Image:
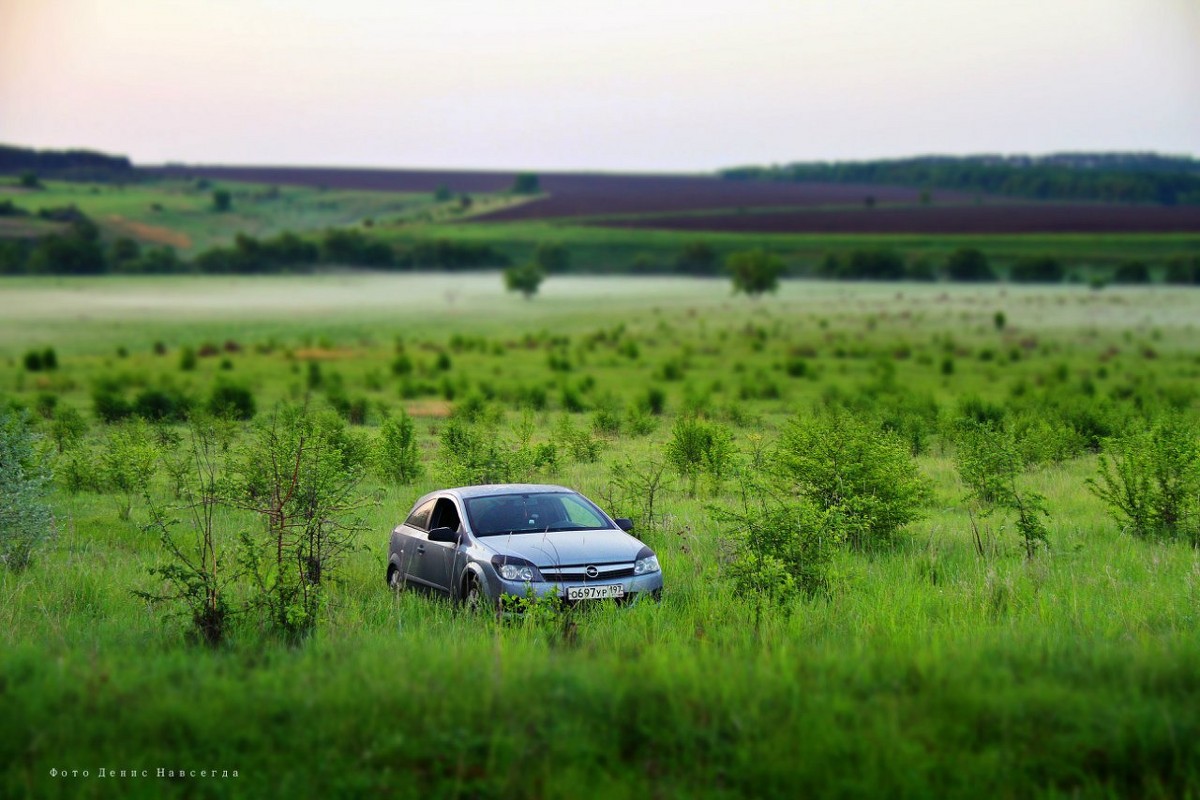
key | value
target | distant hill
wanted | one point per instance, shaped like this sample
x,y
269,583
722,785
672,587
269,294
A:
x,y
83,165
1098,177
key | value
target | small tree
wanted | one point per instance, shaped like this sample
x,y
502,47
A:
x,y
552,257
526,183
1150,480
397,455
222,200
700,448
525,278
754,272
300,474
840,461
199,571
29,180
128,461
25,519
989,462
969,264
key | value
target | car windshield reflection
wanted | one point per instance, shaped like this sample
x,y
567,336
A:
x,y
535,512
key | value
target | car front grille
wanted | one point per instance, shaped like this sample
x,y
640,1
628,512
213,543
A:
x,y
578,574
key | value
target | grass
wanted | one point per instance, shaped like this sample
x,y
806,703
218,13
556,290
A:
x,y
928,670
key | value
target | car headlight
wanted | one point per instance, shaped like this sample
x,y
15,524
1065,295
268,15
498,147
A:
x,y
512,568
646,562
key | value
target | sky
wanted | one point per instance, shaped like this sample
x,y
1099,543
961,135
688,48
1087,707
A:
x,y
618,85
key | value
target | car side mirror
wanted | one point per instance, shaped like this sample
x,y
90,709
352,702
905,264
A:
x,y
624,523
448,535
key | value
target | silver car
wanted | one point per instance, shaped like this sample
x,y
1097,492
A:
x,y
479,544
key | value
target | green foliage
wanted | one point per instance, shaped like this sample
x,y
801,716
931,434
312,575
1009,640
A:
x,y
300,475
127,463
700,448
231,401
1150,480
877,264
26,520
397,453
784,547
754,272
524,278
841,462
526,183
990,462
969,264
697,258
1132,272
1038,269
200,568
222,201
471,453
552,257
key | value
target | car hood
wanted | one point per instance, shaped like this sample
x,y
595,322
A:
x,y
566,548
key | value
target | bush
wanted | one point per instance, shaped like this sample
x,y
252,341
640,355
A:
x,y
1132,272
989,462
839,461
397,455
26,521
700,448
969,264
230,401
1038,269
783,548
1150,480
127,464
754,272
109,402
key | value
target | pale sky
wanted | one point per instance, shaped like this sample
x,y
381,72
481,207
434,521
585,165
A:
x,y
661,85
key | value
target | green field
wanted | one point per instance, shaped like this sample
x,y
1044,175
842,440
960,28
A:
x,y
940,662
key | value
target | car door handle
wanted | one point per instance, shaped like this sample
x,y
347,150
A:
x,y
420,549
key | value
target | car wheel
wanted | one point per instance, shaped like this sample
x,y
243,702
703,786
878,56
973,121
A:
x,y
395,579
472,598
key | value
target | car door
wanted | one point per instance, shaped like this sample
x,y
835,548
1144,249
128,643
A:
x,y
409,539
435,560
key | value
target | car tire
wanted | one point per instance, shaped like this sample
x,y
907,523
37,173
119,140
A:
x,y
395,580
472,596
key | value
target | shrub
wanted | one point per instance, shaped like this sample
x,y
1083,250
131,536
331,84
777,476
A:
x,y
989,462
187,359
1038,269
839,461
127,464
1150,480
700,448
754,272
26,521
969,264
161,405
33,361
230,401
783,547
295,473
397,455
1132,272
109,402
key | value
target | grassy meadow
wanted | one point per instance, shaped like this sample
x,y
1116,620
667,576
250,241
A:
x,y
944,662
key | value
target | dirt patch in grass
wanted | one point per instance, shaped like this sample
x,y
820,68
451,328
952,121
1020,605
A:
x,y
429,408
150,233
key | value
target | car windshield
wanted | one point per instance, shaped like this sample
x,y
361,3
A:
x,y
535,512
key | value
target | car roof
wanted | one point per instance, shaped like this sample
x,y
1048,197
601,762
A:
x,y
494,490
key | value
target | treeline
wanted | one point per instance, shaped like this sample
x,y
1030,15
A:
x,y
80,250
971,265
1115,177
80,165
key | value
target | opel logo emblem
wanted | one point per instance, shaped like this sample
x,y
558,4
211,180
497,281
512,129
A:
x,y
592,572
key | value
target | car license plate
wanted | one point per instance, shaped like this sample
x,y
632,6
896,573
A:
x,y
595,592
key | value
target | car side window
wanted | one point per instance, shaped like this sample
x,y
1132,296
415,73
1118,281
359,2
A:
x,y
445,515
419,519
